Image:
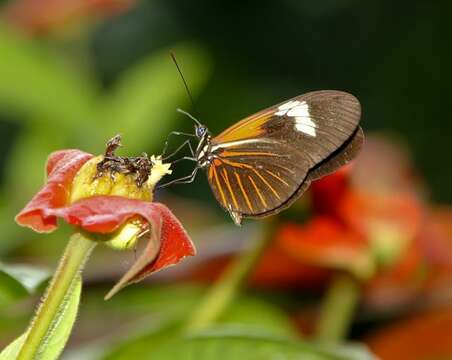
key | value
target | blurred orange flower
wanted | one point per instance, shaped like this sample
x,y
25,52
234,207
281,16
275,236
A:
x,y
324,241
43,16
423,336
370,219
424,272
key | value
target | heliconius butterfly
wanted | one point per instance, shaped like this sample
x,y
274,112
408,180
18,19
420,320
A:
x,y
263,163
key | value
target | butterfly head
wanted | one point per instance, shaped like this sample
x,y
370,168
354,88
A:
x,y
200,131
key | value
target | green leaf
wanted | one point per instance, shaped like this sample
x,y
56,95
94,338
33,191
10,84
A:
x,y
172,301
140,347
167,307
9,238
10,289
253,312
36,82
236,343
61,329
143,104
17,281
176,302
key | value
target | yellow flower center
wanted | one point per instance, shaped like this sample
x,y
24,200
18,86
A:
x,y
88,183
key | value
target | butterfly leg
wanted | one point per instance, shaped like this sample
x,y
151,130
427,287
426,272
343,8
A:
x,y
184,158
183,180
176,133
185,143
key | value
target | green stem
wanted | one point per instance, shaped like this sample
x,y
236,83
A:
x,y
224,291
337,309
74,257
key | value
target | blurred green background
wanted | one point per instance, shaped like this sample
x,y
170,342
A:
x,y
74,79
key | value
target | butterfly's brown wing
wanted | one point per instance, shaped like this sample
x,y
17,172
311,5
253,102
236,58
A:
x,y
264,162
252,185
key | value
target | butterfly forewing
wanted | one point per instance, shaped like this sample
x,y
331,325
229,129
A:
x,y
264,162
251,183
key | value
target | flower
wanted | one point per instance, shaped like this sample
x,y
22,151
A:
x,y
430,324
109,198
42,16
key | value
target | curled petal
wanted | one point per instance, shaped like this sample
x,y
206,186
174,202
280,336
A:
x,y
167,245
61,169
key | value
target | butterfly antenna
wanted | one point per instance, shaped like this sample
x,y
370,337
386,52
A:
x,y
190,116
183,79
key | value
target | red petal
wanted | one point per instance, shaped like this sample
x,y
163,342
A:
x,y
174,246
175,242
328,191
325,242
169,241
61,169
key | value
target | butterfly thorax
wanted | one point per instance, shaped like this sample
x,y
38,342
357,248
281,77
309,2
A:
x,y
203,151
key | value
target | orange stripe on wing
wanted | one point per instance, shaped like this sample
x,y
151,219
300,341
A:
x,y
245,195
246,166
267,183
277,177
220,188
228,184
257,191
250,127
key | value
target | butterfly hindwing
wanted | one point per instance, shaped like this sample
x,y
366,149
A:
x,y
348,151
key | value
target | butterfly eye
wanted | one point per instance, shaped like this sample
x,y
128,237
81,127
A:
x,y
200,131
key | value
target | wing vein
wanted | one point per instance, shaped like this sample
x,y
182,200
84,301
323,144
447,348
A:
x,y
228,184
267,183
220,188
245,195
257,191
277,177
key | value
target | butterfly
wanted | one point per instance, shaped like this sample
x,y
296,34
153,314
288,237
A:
x,y
263,163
